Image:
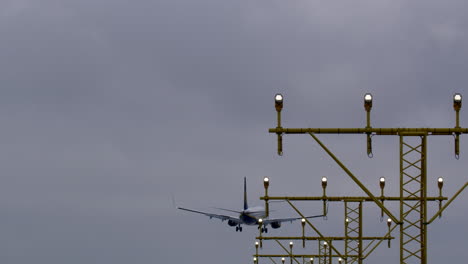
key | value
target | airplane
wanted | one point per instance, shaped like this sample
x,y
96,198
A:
x,y
248,216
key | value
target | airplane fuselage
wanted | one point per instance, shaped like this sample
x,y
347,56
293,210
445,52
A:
x,y
251,215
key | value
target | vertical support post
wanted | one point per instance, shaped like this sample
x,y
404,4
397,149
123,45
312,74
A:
x,y
353,228
423,200
401,199
360,234
266,183
346,231
413,213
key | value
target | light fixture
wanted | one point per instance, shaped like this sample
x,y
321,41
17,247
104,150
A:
x,y
311,260
282,260
382,182
340,260
278,102
324,182
266,182
368,101
389,222
440,182
457,101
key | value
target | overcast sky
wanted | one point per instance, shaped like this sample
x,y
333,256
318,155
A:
x,y
110,108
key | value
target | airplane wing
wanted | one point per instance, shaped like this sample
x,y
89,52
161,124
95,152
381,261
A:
x,y
280,220
222,217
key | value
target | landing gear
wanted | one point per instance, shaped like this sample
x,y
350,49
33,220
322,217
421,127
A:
x,y
264,230
238,228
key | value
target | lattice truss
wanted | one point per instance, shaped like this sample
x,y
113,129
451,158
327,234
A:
x,y
324,252
353,217
413,212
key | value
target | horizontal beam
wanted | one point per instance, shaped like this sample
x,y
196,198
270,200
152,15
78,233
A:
x,y
377,131
349,198
324,238
302,256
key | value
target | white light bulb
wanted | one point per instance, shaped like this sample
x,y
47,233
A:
x,y
278,98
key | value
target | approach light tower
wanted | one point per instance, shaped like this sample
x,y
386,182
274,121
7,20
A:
x,y
412,217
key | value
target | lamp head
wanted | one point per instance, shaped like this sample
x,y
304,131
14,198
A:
x,y
291,244
440,182
260,221
340,260
382,182
303,221
278,102
389,222
368,102
266,182
324,182
457,101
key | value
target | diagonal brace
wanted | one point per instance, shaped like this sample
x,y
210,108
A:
x,y
279,243
316,230
356,180
447,204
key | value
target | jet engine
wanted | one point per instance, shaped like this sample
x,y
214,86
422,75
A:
x,y
275,225
232,223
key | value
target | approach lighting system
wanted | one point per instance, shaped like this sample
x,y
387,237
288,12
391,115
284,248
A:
x,y
457,101
368,102
278,102
411,222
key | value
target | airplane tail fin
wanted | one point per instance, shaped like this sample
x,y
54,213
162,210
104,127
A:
x,y
245,194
